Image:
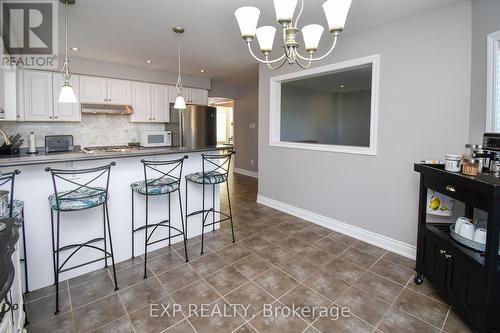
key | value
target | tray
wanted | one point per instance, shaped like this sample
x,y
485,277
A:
x,y
468,242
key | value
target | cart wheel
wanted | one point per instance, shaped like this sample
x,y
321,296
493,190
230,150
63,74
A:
x,y
419,279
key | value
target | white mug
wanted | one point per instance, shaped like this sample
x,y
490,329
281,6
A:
x,y
459,223
480,236
467,230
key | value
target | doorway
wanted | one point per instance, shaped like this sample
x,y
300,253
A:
x,y
225,120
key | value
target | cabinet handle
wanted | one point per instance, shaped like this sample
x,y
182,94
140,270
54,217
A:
x,y
450,188
153,118
448,256
442,252
50,117
55,117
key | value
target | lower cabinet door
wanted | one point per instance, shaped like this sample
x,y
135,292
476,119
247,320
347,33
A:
x,y
433,259
466,283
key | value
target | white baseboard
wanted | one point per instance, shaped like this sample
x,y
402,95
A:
x,y
384,242
245,172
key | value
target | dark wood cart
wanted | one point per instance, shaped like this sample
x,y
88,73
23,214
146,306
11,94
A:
x,y
468,279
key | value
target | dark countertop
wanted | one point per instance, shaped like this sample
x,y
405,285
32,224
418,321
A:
x,y
8,239
45,158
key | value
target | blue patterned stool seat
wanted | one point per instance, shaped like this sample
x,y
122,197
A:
x,y
156,186
211,177
82,198
17,210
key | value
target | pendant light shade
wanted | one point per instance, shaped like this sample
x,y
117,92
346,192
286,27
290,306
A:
x,y
312,35
265,37
336,13
180,103
247,18
284,9
67,95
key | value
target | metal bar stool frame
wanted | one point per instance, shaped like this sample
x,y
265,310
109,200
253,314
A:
x,y
174,171
5,179
221,162
61,175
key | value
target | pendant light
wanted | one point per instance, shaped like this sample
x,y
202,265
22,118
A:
x,y
180,102
67,94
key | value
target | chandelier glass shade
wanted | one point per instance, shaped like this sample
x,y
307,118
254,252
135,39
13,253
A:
x,y
336,12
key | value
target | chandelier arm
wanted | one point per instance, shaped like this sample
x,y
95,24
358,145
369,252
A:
x,y
300,13
323,56
264,61
306,66
278,66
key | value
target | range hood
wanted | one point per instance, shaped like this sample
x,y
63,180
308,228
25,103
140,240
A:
x,y
107,109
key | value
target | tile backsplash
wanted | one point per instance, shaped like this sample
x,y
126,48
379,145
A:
x,y
93,130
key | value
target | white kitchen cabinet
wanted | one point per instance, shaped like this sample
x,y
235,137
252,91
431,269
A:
x,y
38,96
93,90
172,94
197,96
2,93
100,90
141,102
160,108
66,111
119,92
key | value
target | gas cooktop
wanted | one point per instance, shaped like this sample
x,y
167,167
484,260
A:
x,y
110,149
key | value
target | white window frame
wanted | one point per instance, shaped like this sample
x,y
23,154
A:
x,y
491,89
275,106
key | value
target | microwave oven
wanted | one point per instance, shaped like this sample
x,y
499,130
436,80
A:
x,y
156,139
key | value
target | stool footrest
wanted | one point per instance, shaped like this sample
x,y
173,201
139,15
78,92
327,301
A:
x,y
84,264
208,211
215,222
166,238
67,247
162,223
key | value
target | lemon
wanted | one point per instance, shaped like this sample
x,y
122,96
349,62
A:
x,y
435,203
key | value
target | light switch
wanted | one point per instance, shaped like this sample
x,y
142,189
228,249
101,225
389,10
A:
x,y
251,125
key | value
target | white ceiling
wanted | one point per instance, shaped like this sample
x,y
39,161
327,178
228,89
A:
x,y
130,31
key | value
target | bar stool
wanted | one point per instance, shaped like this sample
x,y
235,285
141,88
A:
x,y
219,165
90,192
160,178
15,208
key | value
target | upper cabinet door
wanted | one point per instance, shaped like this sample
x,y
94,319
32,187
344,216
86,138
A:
x,y
141,102
172,94
119,92
66,111
37,96
198,96
160,109
93,90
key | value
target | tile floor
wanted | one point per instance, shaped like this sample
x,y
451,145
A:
x,y
278,259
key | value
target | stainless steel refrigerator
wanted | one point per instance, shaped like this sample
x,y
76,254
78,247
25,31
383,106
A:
x,y
199,126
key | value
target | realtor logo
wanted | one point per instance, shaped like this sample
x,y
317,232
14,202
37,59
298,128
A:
x,y
29,31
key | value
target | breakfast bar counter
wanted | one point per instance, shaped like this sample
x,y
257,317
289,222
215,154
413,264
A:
x,y
34,185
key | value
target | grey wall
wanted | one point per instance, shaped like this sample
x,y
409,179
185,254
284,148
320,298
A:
x,y
485,20
99,68
307,114
423,114
224,90
245,138
354,119
324,117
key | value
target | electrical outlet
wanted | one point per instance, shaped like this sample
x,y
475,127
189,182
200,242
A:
x,y
252,162
251,125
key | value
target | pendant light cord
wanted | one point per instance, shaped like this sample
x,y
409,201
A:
x,y
66,73
179,80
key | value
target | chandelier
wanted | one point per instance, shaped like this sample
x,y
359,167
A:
x,y
336,14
